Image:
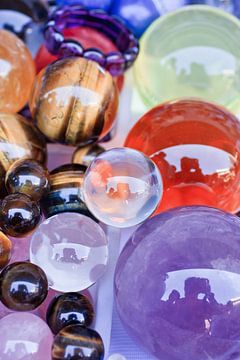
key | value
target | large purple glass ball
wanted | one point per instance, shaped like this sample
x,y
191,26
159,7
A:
x,y
177,285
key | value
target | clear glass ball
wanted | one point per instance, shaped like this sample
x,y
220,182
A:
x,y
122,187
72,250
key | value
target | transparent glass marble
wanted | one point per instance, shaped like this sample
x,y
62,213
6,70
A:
x,y
71,249
194,52
122,187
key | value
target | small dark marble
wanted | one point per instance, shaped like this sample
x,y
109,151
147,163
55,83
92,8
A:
x,y
67,309
27,177
23,286
19,215
65,191
84,343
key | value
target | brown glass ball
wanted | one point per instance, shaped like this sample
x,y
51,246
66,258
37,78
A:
x,y
67,309
5,250
19,139
19,215
85,155
23,286
84,343
74,101
65,191
27,177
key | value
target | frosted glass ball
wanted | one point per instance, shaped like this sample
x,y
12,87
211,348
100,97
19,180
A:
x,y
71,249
122,187
24,336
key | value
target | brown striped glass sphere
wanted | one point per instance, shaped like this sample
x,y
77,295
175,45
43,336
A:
x,y
84,343
74,101
65,191
19,139
85,155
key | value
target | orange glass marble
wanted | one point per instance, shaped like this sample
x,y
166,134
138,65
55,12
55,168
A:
x,y
17,72
74,101
5,250
196,146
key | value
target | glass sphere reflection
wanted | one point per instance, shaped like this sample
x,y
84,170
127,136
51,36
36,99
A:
x,y
74,101
183,55
71,249
17,72
24,336
122,187
178,278
196,147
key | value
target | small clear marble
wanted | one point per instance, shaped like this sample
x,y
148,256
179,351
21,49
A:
x,y
122,187
72,250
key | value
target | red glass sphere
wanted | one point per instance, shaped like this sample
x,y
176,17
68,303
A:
x,y
196,146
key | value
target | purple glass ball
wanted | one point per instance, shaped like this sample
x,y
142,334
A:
x,y
177,285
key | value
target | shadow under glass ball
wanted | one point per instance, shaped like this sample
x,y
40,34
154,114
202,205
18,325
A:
x,y
67,309
65,191
23,286
77,342
27,177
19,215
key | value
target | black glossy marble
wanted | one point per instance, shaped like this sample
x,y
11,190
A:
x,y
67,309
75,342
19,215
23,286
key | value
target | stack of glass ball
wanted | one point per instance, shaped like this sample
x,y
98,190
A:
x,y
176,280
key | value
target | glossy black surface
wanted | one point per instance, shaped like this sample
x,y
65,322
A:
x,y
75,342
67,309
19,215
23,286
